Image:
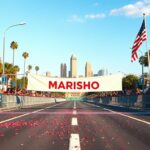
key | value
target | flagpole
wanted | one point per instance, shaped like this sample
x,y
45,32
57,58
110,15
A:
x,y
144,17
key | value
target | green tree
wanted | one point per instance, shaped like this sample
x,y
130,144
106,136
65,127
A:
x,y
37,69
16,68
25,55
14,46
21,84
144,59
129,82
10,70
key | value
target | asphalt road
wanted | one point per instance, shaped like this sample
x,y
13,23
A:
x,y
74,125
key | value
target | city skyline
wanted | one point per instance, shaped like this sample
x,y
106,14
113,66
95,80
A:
x,y
93,30
72,73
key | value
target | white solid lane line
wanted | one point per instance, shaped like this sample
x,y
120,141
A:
x,y
74,122
133,118
14,118
95,105
74,112
26,114
74,143
38,110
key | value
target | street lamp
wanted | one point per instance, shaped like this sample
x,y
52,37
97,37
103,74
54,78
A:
x,y
19,24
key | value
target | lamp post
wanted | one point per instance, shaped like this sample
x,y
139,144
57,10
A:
x,y
4,37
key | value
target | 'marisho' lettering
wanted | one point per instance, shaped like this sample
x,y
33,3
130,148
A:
x,y
74,85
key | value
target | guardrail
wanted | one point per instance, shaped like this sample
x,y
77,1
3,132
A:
x,y
140,101
10,101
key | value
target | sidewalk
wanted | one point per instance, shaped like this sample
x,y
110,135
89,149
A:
x,y
8,109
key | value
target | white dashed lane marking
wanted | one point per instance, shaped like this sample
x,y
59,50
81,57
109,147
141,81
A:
x,y
74,112
74,105
74,122
74,143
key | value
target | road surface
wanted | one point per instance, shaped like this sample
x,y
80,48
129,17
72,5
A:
x,y
74,125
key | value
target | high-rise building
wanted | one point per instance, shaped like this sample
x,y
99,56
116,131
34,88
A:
x,y
69,74
48,74
73,66
63,70
102,72
88,70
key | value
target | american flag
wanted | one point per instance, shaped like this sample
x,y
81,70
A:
x,y
140,38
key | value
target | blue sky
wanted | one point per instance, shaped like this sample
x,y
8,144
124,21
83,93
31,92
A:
x,y
98,31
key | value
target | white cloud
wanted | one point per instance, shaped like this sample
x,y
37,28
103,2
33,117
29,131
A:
x,y
135,10
78,19
95,16
75,18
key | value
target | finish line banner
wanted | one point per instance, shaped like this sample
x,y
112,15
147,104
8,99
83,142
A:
x,y
90,84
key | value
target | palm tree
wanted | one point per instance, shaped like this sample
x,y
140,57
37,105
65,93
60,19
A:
x,y
14,71
29,68
37,69
14,45
16,68
25,55
8,68
143,60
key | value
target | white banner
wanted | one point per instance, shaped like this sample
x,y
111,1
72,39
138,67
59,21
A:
x,y
90,84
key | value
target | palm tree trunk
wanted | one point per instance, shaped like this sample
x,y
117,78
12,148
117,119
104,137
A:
x,y
24,73
13,56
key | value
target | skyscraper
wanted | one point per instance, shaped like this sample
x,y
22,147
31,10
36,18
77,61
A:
x,y
102,72
88,70
69,74
63,70
73,66
48,74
